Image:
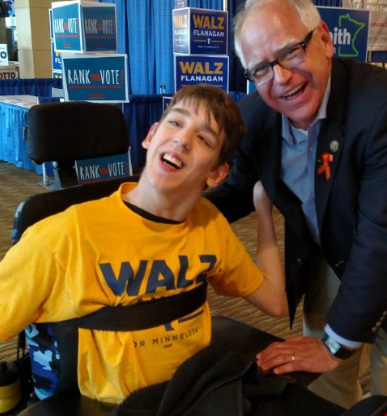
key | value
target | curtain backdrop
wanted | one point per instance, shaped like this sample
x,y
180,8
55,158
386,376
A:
x,y
30,86
144,30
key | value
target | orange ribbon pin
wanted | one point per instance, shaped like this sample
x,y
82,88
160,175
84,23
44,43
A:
x,y
327,158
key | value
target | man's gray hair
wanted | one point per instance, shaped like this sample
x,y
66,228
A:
x,y
306,10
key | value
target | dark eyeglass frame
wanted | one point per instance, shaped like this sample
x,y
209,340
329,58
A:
x,y
304,44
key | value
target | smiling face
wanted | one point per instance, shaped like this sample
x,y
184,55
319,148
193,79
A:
x,y
183,150
297,92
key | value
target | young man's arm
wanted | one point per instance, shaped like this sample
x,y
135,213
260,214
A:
x,y
271,296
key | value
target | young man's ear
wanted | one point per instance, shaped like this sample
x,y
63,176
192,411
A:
x,y
218,175
145,143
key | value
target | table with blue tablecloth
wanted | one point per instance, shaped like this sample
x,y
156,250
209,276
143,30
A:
x,y
13,122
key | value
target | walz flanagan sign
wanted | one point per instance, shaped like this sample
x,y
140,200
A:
x,y
196,69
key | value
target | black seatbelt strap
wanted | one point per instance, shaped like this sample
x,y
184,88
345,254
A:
x,y
144,315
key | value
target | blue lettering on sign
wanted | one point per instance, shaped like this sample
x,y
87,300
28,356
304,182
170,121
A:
x,y
160,275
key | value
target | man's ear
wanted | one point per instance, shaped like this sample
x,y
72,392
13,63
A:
x,y
145,143
326,39
218,175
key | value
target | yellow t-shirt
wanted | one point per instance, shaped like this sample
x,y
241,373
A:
x,y
101,253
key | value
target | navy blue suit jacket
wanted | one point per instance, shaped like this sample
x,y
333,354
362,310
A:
x,y
351,206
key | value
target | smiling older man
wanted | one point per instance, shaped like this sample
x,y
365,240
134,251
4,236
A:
x,y
317,139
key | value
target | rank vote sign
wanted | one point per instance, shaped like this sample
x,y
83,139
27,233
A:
x,y
349,31
102,169
66,27
93,77
200,31
100,28
195,69
84,26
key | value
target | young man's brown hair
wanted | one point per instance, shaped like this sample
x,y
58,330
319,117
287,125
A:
x,y
221,106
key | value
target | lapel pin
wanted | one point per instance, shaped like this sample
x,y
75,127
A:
x,y
334,146
327,158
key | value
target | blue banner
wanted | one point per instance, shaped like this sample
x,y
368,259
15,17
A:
x,y
191,70
349,31
100,78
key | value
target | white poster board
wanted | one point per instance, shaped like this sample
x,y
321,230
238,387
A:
x,y
377,36
3,54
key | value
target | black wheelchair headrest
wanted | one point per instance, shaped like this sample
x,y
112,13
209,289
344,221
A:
x,y
68,131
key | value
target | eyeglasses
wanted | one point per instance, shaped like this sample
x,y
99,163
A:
x,y
288,59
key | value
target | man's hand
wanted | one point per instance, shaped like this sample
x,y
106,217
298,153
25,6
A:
x,y
297,354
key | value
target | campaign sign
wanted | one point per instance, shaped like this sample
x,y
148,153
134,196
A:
x,y
349,31
100,28
84,26
9,72
56,59
95,77
191,70
200,31
102,168
66,26
180,31
57,74
4,54
377,36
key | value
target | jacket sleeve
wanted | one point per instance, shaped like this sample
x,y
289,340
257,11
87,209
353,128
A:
x,y
360,307
233,197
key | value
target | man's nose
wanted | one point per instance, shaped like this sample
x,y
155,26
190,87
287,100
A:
x,y
281,75
182,143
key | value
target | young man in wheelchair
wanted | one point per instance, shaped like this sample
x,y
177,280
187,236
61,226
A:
x,y
155,239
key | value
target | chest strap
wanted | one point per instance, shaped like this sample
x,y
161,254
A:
x,y
143,315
